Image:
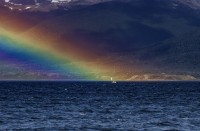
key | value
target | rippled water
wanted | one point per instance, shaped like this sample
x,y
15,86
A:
x,y
99,106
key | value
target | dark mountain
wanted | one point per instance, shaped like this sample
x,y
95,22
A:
x,y
124,26
156,35
191,3
176,54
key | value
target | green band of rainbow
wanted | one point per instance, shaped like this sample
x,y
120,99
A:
x,y
31,56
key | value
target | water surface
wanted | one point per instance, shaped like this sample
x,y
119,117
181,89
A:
x,y
100,106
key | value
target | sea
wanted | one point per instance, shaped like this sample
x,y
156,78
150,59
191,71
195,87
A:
x,y
99,106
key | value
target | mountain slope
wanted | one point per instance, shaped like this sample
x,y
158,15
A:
x,y
177,54
119,26
138,36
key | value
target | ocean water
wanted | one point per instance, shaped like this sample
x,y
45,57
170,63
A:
x,y
167,106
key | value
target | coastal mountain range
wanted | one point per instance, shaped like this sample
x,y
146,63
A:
x,y
66,4
161,38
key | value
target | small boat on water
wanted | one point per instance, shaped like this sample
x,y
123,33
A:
x,y
113,81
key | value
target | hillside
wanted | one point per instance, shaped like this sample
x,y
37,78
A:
x,y
137,37
176,54
118,26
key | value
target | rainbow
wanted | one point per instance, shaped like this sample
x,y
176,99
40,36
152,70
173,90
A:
x,y
26,50
31,56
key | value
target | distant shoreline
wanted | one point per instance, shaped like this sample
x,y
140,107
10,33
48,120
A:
x,y
93,81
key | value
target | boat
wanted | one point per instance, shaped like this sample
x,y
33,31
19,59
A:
x,y
113,81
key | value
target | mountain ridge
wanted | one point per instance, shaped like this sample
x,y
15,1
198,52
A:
x,y
144,38
47,5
